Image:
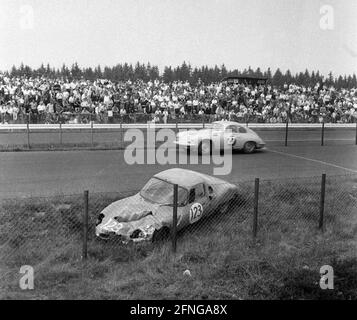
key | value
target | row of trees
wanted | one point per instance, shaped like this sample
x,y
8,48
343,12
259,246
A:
x,y
123,72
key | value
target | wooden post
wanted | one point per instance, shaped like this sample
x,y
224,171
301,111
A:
x,y
322,133
85,226
286,131
60,132
322,202
203,121
121,132
356,133
256,200
91,132
28,131
174,219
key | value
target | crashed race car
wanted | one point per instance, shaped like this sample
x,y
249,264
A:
x,y
222,135
148,215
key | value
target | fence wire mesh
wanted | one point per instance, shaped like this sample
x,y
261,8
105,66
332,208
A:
x,y
44,231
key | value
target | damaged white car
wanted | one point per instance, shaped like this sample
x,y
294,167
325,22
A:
x,y
148,215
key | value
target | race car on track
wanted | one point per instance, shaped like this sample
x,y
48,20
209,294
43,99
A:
x,y
148,215
222,135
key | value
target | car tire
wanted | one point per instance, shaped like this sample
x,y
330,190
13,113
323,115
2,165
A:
x,y
205,147
249,147
161,235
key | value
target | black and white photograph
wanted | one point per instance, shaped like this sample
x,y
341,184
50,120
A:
x,y
200,152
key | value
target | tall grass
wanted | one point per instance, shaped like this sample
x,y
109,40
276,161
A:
x,y
223,259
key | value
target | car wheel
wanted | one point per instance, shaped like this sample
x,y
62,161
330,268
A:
x,y
161,234
205,147
249,147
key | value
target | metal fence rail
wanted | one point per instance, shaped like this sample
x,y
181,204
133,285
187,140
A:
x,y
132,118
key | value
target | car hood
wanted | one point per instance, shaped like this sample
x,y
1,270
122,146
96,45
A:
x,y
125,216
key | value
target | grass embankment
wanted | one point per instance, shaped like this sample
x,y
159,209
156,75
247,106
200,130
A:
x,y
224,262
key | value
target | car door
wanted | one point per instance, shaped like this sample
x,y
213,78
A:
x,y
231,135
217,137
198,203
242,137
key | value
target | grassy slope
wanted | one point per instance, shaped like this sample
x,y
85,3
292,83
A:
x,y
223,260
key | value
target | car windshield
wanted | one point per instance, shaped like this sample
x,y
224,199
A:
x,y
217,126
161,192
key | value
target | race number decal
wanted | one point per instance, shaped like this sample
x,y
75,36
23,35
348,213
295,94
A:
x,y
196,212
231,140
112,225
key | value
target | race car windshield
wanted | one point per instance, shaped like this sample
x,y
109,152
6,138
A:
x,y
161,192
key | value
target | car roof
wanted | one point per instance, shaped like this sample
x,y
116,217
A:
x,y
228,123
182,177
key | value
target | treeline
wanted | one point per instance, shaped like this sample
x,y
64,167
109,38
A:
x,y
146,72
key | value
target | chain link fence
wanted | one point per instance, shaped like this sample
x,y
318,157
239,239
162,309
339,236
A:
x,y
59,233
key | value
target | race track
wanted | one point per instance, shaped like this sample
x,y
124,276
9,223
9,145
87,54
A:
x,y
70,172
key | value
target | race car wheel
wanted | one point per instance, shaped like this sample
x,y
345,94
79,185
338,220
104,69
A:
x,y
161,234
205,147
249,147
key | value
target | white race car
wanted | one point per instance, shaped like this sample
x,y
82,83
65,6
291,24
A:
x,y
148,215
222,135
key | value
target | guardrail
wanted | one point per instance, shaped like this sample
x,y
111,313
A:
x,y
142,118
94,129
167,125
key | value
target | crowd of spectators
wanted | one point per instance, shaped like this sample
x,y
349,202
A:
x,y
44,100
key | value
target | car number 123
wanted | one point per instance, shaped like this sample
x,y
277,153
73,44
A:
x,y
196,212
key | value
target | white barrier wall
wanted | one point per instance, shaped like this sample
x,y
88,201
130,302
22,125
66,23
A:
x,y
7,127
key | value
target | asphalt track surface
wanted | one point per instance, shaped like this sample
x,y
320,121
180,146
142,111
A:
x,y
48,173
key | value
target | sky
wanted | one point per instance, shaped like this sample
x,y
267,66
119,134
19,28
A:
x,y
289,34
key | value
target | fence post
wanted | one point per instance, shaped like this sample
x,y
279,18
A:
x,y
286,131
322,133
176,125
122,132
203,121
60,132
256,200
28,131
174,220
85,226
322,201
91,132
356,133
